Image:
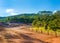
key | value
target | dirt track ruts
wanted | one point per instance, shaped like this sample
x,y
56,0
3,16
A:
x,y
17,35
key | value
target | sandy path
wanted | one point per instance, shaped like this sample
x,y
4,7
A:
x,y
17,35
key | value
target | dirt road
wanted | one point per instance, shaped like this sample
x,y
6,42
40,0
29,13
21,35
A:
x,y
17,35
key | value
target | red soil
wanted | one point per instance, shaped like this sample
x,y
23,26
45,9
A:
x,y
17,35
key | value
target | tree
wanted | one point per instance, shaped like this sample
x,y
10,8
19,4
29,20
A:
x,y
45,20
54,25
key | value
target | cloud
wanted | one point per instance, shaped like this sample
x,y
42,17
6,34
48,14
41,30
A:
x,y
11,11
54,11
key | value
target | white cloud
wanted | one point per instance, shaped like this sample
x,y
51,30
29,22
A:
x,y
54,11
11,11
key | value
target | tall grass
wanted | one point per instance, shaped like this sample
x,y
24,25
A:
x,y
42,30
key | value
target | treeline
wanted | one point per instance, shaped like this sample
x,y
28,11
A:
x,y
21,18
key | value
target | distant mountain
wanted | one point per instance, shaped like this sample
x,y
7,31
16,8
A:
x,y
2,18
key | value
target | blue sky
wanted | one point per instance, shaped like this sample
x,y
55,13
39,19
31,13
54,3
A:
x,y
13,7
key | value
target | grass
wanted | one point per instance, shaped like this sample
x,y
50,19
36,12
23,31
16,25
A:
x,y
51,32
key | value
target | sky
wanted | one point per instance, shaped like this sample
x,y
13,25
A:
x,y
14,7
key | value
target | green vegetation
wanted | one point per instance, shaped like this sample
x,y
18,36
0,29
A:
x,y
50,21
42,21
